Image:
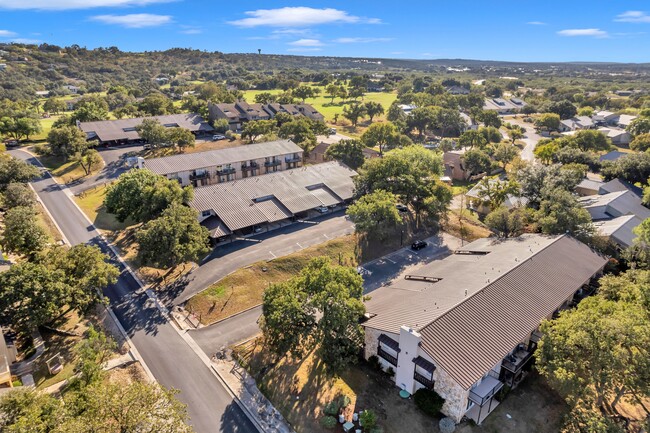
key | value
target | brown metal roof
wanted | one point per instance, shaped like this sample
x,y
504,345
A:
x,y
212,158
474,336
122,129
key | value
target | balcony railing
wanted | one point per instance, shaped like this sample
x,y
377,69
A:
x,y
296,158
387,356
250,166
423,380
515,362
272,163
195,176
480,395
225,171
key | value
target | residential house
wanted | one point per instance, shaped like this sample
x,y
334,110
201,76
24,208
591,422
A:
x,y
624,120
407,108
588,187
616,214
612,156
618,136
457,90
605,117
468,325
123,131
70,104
241,112
72,89
577,123
469,123
454,168
7,357
225,165
504,106
250,205
42,93
477,202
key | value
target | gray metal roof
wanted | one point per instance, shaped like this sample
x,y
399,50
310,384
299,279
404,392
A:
x,y
272,197
484,304
211,158
113,130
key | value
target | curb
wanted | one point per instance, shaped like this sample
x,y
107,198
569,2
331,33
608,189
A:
x,y
233,315
64,238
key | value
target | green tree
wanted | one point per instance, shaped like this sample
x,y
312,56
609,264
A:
x,y
19,127
89,160
31,294
157,104
303,92
181,137
395,113
633,167
54,105
253,130
504,153
565,109
265,98
92,352
375,213
332,91
301,131
14,170
548,121
641,143
381,135
23,234
471,139
589,140
534,179
493,192
421,119
515,134
174,237
546,152
27,410
143,195
639,126
559,212
349,152
373,109
354,112
490,118
320,307
151,131
477,161
89,112
491,134
638,253
18,194
505,223
67,140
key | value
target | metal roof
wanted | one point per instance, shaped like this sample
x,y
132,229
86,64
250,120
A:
x,y
212,158
488,299
123,129
275,196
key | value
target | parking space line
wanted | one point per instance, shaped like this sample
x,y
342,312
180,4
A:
x,y
274,256
301,247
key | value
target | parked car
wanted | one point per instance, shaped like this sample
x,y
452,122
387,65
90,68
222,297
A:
x,y
402,208
217,137
418,245
332,131
322,209
147,146
11,143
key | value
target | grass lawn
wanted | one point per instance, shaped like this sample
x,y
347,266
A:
x,y
324,104
65,171
244,288
464,224
47,223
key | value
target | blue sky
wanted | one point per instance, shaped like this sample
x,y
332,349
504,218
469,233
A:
x,y
569,30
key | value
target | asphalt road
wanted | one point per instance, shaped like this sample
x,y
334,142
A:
x,y
227,258
172,362
113,168
228,332
531,138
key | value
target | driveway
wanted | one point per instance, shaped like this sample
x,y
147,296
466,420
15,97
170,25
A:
x,y
531,138
376,273
228,258
114,166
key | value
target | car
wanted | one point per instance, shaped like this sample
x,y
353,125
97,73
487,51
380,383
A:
x,y
147,146
402,208
217,137
322,209
418,245
332,131
11,143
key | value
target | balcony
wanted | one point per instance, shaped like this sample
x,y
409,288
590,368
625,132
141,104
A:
x,y
272,163
485,390
226,171
423,380
515,362
295,158
387,356
250,166
196,176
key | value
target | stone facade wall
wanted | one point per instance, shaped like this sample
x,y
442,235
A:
x,y
455,396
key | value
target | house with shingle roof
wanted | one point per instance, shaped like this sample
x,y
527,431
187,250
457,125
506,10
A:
x,y
468,325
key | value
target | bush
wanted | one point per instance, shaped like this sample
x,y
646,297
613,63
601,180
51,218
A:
x,y
390,371
368,420
373,361
428,401
344,401
328,422
42,149
447,425
332,408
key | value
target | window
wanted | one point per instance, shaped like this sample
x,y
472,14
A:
x,y
206,213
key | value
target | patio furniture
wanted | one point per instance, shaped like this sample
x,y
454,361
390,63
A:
x,y
348,426
404,394
355,417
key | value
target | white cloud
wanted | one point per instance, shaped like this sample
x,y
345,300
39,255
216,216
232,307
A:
x,y
360,40
595,33
73,4
633,17
298,17
26,41
7,33
291,32
306,43
134,21
303,49
190,30
536,23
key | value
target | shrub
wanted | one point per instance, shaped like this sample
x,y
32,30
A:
x,y
447,425
368,420
332,408
344,401
42,149
390,371
428,401
373,361
328,422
